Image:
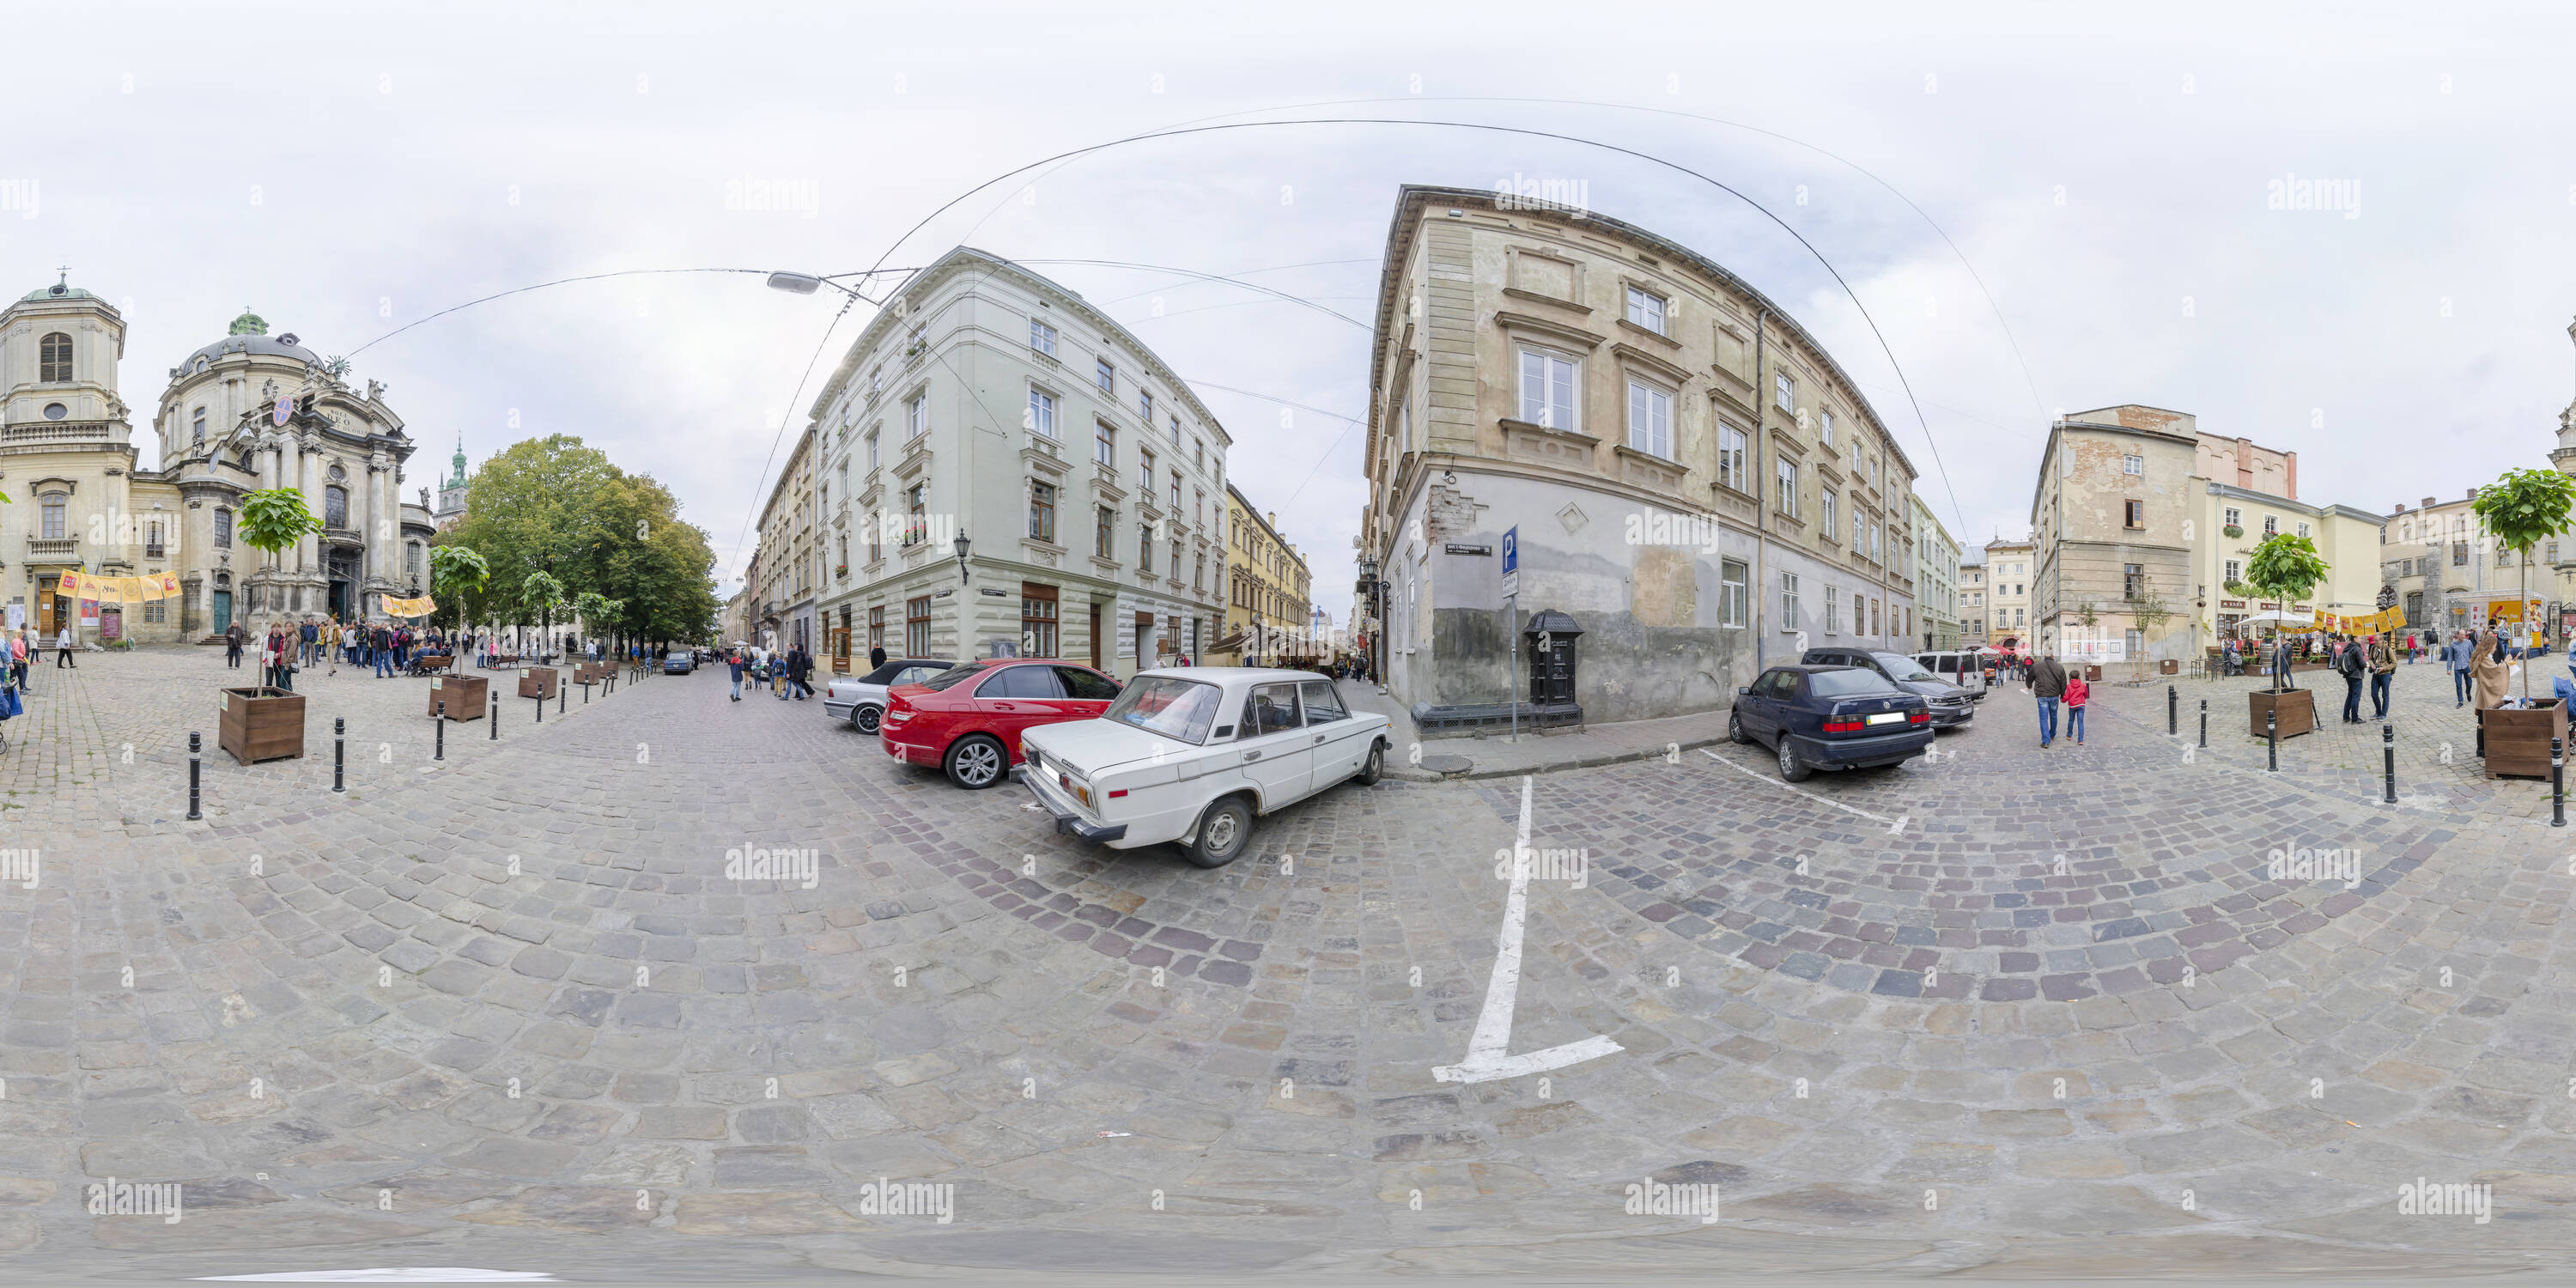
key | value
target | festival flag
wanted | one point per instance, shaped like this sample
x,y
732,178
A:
x,y
421,607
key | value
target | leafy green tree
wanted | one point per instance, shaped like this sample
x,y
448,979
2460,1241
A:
x,y
271,519
2285,568
557,507
2524,508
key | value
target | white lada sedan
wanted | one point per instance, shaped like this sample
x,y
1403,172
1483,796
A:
x,y
1193,754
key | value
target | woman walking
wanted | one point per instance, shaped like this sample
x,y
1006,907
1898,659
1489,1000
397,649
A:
x,y
2487,671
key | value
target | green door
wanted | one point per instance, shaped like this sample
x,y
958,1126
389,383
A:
x,y
223,610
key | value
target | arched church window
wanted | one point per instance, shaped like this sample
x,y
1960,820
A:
x,y
54,358
335,507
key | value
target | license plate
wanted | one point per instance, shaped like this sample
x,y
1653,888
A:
x,y
1888,717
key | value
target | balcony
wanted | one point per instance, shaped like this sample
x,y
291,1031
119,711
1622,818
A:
x,y
58,432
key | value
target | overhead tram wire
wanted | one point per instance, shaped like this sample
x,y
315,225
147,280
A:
x,y
1921,421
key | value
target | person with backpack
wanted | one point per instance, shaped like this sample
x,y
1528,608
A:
x,y
2381,654
2077,694
2348,663
734,663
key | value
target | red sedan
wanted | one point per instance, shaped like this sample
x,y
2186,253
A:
x,y
967,721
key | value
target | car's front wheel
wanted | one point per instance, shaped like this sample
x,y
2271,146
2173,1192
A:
x,y
1793,767
1374,767
1224,833
865,718
1735,729
976,762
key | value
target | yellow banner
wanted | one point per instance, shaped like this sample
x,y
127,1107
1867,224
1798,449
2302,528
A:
x,y
118,590
2504,610
73,585
421,607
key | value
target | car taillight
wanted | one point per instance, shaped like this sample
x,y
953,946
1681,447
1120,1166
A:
x,y
1919,717
1843,726
1116,794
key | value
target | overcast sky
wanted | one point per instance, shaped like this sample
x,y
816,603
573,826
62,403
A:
x,y
348,170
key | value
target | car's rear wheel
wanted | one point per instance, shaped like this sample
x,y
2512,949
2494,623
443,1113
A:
x,y
864,718
1224,833
1793,767
976,762
1374,767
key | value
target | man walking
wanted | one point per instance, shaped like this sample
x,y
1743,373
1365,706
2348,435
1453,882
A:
x,y
2348,664
2456,655
2383,673
233,645
383,649
2047,681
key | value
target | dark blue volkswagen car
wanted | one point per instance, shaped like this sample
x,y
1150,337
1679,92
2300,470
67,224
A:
x,y
1830,717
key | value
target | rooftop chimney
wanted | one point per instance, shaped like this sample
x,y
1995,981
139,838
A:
x,y
2401,508
2428,503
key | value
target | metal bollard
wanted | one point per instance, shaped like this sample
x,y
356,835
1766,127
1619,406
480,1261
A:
x,y
194,757
561,697
2272,736
541,708
2388,760
2558,782
441,718
2173,710
585,693
339,751
495,730
2204,722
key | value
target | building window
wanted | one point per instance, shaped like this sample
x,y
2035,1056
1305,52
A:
x,y
1833,611
1105,521
54,528
873,459
1041,511
411,561
916,627
156,610
1176,498
1173,569
1874,618
2553,552
1042,412
1646,309
1198,574
335,507
916,416
200,431
1825,427
1198,452
1825,510
2303,529
54,359
1860,532
1875,553
1145,549
2232,517
1145,475
1730,593
2136,514
2232,573
1145,407
1547,391
2459,554
1650,420
1042,337
2133,581
1105,376
1104,444
223,528
2133,465
1789,601
2271,525
1788,481
1037,620
1730,459
876,627
152,542
1784,392
916,515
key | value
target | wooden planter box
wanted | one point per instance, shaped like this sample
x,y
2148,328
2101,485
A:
x,y
2515,741
538,682
261,724
2170,666
464,695
591,672
433,661
2295,709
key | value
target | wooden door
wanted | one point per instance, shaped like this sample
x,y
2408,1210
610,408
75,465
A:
x,y
1096,610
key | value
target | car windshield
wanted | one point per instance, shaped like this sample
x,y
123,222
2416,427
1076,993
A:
x,y
1901,667
1847,684
1174,708
953,676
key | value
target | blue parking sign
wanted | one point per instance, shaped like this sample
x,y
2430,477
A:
x,y
1512,550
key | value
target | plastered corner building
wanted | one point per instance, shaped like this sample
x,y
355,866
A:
x,y
81,500
1696,483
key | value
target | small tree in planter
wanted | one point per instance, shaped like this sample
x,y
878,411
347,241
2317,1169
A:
x,y
2150,612
257,725
2285,568
2523,508
540,596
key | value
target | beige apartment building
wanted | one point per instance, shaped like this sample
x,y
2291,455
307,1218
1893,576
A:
x,y
1691,485
2111,519
787,576
2009,566
1972,599
1268,591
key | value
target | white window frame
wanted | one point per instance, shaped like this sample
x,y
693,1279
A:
x,y
1650,419
1105,375
1825,512
1730,458
1833,610
916,416
1042,411
1730,593
1558,373
2271,525
1789,603
1648,310
2132,464
1786,479
2231,517
1784,392
1042,337
1825,427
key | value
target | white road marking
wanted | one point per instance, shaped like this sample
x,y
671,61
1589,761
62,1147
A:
x,y
1487,1051
1894,824
393,1275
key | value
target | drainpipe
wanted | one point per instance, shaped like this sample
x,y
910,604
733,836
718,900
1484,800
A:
x,y
1761,518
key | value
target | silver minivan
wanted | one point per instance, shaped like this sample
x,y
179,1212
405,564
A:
x,y
1964,669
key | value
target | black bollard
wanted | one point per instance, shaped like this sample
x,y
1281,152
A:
x,y
2272,737
495,733
541,708
339,751
585,693
2388,760
441,719
194,757
2558,782
561,697
2204,722
2173,710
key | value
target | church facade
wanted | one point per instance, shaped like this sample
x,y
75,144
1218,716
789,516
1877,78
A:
x,y
247,412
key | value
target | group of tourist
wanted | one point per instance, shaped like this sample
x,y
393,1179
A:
x,y
288,647
785,673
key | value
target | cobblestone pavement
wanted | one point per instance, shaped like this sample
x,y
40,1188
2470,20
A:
x,y
2005,1012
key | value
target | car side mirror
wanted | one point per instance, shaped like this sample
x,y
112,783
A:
x,y
1744,692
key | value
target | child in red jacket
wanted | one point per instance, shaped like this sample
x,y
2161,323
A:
x,y
2077,692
